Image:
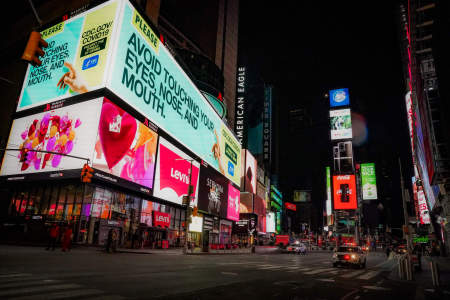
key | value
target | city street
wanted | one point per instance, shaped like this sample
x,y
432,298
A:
x,y
87,273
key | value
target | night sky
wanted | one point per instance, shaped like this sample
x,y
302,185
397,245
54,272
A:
x,y
304,49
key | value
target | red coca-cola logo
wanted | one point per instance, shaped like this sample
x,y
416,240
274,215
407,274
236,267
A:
x,y
161,219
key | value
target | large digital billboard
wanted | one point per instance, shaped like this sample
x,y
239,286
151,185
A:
x,y
233,203
341,124
213,192
147,77
125,147
344,187
339,97
90,51
68,130
270,222
249,171
173,174
76,58
368,181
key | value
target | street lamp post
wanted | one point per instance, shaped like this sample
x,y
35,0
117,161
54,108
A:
x,y
188,205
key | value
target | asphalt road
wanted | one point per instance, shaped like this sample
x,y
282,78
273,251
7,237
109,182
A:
x,y
33,273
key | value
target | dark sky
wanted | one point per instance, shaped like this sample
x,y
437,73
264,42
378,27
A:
x,y
309,47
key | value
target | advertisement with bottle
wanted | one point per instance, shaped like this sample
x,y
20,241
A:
x,y
344,187
369,181
75,60
173,174
148,78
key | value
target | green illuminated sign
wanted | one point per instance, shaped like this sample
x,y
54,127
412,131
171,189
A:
x,y
369,181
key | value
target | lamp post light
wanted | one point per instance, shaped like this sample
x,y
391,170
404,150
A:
x,y
187,202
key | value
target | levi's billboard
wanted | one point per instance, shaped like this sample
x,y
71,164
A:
x,y
161,219
344,188
172,178
112,46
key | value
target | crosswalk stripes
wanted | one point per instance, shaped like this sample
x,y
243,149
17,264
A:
x,y
369,275
25,286
354,273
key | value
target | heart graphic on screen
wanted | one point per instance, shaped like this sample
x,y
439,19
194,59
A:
x,y
115,143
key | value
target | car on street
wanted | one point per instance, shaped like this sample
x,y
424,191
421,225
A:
x,y
349,256
296,248
401,249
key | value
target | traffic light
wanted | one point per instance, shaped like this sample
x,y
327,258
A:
x,y
195,211
23,155
34,49
86,173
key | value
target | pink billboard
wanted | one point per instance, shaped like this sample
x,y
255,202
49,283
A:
x,y
233,203
125,147
173,174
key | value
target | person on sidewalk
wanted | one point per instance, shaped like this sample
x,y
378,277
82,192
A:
x,y
67,238
114,238
52,237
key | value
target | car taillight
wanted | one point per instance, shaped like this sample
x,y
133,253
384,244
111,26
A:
x,y
346,257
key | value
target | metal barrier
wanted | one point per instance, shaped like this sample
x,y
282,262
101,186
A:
x,y
404,267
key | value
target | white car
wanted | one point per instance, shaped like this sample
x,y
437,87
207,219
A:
x,y
297,248
349,255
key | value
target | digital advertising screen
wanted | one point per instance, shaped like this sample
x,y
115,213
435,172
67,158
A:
x,y
341,124
249,172
344,188
339,97
69,130
302,196
148,78
328,184
125,147
246,203
270,222
233,203
173,173
76,58
213,192
369,181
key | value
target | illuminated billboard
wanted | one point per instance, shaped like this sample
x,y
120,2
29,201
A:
x,y
91,51
344,187
173,174
148,78
248,171
76,58
270,222
69,130
233,203
246,203
302,196
125,147
328,184
368,181
213,192
290,206
341,124
339,97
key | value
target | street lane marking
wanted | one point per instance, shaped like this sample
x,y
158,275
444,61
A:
x,y
229,273
27,283
377,288
318,271
300,270
326,279
354,273
39,289
369,275
61,295
15,275
271,268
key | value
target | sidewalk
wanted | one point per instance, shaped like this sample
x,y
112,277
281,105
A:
x,y
423,279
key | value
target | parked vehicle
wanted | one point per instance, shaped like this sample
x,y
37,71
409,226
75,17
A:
x,y
282,240
350,256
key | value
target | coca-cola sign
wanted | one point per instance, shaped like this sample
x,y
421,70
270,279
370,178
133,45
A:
x,y
161,219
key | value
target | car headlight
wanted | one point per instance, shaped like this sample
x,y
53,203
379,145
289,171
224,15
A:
x,y
334,255
353,256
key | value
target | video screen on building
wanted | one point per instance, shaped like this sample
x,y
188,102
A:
x,y
173,174
76,58
248,172
148,78
233,203
125,147
341,124
344,188
270,222
369,181
68,130
213,192
339,97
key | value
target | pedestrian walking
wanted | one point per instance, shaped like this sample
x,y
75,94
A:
x,y
52,237
388,251
67,238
